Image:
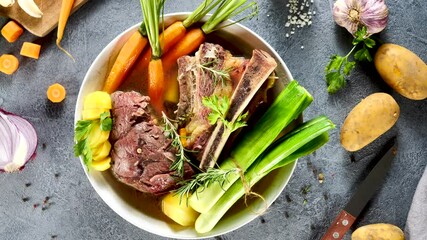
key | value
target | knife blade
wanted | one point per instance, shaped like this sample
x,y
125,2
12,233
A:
x,y
364,193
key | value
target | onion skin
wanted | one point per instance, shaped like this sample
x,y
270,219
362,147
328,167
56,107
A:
x,y
29,132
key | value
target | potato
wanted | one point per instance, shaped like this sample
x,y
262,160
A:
x,y
101,152
402,70
97,99
97,137
101,165
378,231
176,208
93,113
368,120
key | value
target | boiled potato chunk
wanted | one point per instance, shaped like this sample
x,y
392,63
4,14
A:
x,y
93,113
101,165
368,120
181,213
101,151
97,136
98,99
402,70
378,231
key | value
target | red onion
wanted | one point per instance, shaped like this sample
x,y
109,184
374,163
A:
x,y
18,142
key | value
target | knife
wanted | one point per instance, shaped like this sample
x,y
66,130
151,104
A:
x,y
364,193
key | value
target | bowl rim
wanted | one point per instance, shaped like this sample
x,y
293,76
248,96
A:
x,y
77,117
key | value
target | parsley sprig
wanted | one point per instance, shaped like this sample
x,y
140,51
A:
x,y
219,108
339,67
82,132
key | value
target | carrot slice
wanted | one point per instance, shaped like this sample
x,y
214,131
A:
x,y
124,61
56,93
11,31
8,64
31,50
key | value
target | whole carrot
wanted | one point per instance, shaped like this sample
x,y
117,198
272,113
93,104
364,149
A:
x,y
192,40
151,10
124,61
169,37
66,7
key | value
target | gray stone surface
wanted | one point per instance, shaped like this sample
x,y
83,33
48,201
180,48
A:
x,y
77,212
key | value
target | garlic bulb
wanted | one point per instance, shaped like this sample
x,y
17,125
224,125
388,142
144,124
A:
x,y
7,3
352,14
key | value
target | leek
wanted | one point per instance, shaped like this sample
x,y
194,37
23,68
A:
x,y
300,142
290,103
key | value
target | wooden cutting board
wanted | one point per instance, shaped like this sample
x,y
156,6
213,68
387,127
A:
x,y
39,26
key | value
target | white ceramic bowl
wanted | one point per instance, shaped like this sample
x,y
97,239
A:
x,y
142,211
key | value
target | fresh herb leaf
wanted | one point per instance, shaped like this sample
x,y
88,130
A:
x,y
369,42
181,158
348,66
360,35
106,121
339,67
219,108
334,63
203,180
363,55
82,132
335,81
218,75
83,128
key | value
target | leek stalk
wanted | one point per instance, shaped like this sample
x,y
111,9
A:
x,y
300,142
290,103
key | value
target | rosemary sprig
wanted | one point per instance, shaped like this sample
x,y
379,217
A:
x,y
203,180
219,108
181,158
217,74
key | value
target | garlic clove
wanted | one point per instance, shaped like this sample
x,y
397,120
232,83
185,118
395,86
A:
x,y
31,8
7,3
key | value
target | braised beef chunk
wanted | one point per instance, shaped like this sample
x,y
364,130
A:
x,y
141,155
129,108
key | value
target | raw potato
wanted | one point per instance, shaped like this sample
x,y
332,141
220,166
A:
x,y
378,231
368,120
402,70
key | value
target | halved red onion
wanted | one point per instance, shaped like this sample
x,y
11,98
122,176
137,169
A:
x,y
18,142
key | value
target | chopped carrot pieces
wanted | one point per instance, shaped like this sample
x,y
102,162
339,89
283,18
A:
x,y
8,64
11,31
56,93
31,50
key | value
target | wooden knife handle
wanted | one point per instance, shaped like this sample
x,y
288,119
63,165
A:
x,y
339,226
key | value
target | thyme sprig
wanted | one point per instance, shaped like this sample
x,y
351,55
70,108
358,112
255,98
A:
x,y
181,158
217,74
203,180
219,108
